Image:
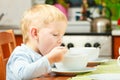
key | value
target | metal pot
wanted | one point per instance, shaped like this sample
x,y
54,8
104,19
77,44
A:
x,y
101,25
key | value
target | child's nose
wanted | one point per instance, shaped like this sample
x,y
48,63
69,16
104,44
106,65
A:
x,y
59,41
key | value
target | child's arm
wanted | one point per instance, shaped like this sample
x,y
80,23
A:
x,y
24,68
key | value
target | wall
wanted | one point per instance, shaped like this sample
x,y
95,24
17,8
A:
x,y
13,11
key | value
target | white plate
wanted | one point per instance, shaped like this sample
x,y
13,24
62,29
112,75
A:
x,y
87,69
105,76
99,60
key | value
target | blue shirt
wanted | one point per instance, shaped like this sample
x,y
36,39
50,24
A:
x,y
26,64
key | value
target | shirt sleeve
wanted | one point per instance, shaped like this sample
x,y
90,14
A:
x,y
26,71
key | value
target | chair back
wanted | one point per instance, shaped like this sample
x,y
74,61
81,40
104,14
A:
x,y
2,69
7,45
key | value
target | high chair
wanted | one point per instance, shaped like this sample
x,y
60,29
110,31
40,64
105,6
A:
x,y
7,44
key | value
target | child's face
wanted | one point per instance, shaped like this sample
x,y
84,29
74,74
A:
x,y
51,36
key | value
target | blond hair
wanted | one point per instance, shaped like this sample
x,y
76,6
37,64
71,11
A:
x,y
39,16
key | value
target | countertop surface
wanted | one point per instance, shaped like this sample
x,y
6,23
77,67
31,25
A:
x,y
113,33
116,32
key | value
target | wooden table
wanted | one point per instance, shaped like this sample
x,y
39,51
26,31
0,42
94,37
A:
x,y
54,76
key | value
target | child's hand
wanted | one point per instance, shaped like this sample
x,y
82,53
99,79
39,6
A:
x,y
57,54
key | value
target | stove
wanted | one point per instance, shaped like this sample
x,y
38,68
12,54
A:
x,y
78,34
79,40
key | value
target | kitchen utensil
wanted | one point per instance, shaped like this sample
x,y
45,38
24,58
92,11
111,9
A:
x,y
73,62
101,25
86,69
92,52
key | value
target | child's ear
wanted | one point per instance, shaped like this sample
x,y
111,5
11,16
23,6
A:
x,y
34,33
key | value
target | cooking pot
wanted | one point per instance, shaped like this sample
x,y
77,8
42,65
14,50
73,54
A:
x,y
101,25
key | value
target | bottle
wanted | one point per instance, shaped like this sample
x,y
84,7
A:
x,y
84,10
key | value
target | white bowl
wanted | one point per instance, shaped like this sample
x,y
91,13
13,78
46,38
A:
x,y
93,53
73,62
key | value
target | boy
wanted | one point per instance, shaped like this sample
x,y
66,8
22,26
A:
x,y
42,29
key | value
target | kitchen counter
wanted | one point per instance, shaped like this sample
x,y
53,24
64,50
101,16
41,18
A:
x,y
13,27
90,34
74,27
16,31
116,32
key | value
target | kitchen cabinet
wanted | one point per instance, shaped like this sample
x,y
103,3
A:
x,y
116,45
